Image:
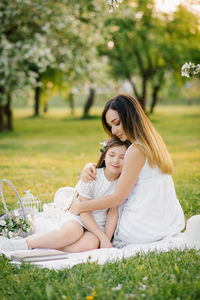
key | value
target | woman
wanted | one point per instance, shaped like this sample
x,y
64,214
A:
x,y
149,208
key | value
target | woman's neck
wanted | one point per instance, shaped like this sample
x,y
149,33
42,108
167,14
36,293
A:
x,y
109,176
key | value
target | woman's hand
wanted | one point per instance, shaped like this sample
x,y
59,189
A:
x,y
105,242
75,206
89,172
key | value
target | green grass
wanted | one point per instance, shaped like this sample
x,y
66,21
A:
x,y
46,153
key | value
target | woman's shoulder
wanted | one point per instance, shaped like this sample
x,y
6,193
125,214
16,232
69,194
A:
x,y
136,148
135,153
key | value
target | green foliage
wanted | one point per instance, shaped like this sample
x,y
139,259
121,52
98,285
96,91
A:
x,y
147,47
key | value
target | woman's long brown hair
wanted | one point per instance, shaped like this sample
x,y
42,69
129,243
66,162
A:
x,y
139,128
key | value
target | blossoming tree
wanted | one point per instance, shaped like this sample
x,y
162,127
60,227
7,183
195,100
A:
x,y
45,40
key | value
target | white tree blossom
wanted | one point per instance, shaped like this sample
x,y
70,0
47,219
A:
x,y
190,69
113,4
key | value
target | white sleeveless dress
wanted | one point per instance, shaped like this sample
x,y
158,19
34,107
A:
x,y
151,212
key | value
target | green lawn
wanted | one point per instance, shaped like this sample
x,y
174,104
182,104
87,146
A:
x,y
46,153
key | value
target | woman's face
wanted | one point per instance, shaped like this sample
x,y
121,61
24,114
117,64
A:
x,y
114,122
114,160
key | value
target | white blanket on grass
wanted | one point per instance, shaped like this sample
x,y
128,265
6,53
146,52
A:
x,y
188,240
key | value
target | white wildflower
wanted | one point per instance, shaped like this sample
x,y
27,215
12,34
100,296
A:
x,y
2,222
142,287
29,218
16,213
145,278
117,288
11,234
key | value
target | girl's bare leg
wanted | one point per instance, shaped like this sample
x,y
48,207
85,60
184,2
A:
x,y
87,242
69,233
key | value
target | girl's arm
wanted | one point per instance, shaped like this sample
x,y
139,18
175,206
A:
x,y
133,162
111,222
92,226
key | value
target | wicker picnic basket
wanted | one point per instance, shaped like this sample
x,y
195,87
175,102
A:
x,y
22,213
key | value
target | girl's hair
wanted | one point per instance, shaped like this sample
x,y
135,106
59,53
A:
x,y
138,128
110,143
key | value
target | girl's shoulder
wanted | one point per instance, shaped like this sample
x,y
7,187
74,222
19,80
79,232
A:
x,y
82,185
100,173
85,189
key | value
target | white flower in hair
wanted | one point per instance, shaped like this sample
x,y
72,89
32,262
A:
x,y
103,144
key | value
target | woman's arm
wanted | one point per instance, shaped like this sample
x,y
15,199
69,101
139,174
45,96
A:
x,y
133,162
89,172
92,226
111,222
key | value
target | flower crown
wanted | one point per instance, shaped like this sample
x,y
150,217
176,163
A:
x,y
104,145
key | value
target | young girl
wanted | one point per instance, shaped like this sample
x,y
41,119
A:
x,y
89,231
151,211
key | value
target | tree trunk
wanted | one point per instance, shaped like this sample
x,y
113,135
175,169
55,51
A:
x,y
45,108
37,97
134,89
144,92
1,110
142,98
2,118
8,113
154,98
89,102
71,103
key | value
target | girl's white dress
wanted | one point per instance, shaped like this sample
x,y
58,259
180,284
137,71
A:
x,y
151,212
92,190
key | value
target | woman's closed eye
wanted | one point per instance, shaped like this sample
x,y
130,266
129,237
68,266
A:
x,y
117,123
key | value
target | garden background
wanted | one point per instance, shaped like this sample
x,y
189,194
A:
x,y
59,64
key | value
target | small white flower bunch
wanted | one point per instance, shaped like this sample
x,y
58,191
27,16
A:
x,y
190,69
16,226
104,145
113,4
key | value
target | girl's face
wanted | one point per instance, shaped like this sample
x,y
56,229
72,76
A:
x,y
114,159
114,122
